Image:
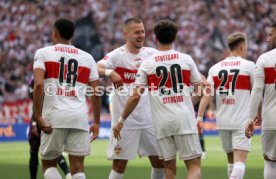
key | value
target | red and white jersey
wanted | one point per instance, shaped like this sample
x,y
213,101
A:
x,y
168,76
266,69
67,73
232,79
126,65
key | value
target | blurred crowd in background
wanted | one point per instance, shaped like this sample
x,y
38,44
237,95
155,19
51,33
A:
x,y
203,27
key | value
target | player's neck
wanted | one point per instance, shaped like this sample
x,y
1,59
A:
x,y
64,42
235,54
132,49
162,47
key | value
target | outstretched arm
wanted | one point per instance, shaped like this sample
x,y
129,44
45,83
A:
x,y
129,107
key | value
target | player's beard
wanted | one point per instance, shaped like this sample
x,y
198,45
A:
x,y
138,43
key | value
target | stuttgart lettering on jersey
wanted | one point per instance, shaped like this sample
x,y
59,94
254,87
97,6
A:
x,y
66,49
166,57
232,63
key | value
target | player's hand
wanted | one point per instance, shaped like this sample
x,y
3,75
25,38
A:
x,y
44,126
94,129
117,129
205,83
116,79
258,121
34,131
199,127
249,130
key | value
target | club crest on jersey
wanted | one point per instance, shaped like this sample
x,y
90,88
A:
x,y
138,62
117,150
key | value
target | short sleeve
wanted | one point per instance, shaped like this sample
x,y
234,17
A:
x,y
39,61
141,76
195,75
94,75
109,60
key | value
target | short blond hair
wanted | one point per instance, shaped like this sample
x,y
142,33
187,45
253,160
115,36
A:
x,y
234,39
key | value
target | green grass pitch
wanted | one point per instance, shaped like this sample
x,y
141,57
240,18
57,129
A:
x,y
14,162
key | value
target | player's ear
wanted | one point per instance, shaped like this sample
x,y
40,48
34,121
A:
x,y
55,35
125,34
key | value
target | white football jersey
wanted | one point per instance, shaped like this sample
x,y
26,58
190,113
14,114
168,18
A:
x,y
232,79
126,65
67,73
266,69
168,76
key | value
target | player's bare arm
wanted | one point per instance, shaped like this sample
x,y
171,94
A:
x,y
129,107
113,76
196,98
96,106
38,101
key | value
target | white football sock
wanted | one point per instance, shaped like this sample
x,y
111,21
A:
x,y
269,170
115,175
229,169
157,173
52,173
79,175
238,170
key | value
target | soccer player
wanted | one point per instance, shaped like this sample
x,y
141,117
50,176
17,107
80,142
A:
x,y
232,79
265,85
121,66
34,141
168,75
62,74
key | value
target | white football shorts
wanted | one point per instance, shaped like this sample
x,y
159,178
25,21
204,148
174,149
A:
x,y
269,144
133,142
234,139
187,146
75,142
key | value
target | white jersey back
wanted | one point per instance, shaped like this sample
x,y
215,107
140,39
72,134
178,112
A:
x,y
126,65
168,75
266,69
232,79
67,73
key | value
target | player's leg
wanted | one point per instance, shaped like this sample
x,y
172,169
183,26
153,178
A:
x,y
226,141
170,169
202,143
167,152
193,168
241,145
77,145
64,167
118,169
190,151
34,142
77,166
121,151
230,163
51,148
148,147
269,152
